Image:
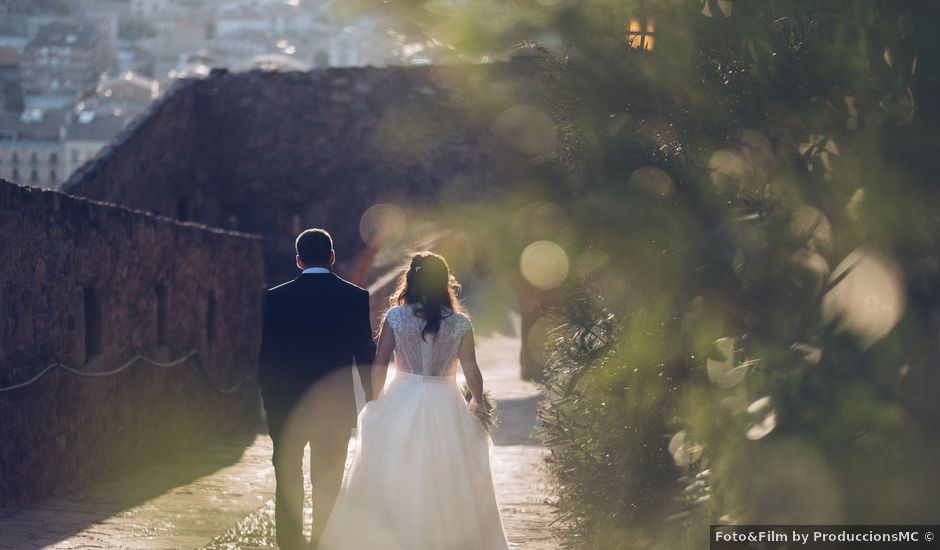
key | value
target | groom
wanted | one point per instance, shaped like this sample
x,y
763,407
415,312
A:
x,y
315,328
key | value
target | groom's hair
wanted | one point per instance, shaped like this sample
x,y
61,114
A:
x,y
314,246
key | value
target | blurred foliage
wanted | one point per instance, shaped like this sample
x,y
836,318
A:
x,y
749,328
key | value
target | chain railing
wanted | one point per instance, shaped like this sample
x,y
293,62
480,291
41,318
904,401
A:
x,y
139,357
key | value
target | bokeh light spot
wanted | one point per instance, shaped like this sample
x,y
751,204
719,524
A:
x,y
540,220
758,152
812,225
382,223
527,130
653,180
762,428
727,169
683,450
544,265
868,299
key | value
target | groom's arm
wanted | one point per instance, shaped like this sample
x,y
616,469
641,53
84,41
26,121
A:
x,y
364,344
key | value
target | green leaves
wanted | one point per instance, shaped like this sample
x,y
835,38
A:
x,y
768,163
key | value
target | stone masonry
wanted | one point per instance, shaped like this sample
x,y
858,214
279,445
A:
x,y
275,152
90,285
272,152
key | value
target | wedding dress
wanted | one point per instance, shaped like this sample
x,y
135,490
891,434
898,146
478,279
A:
x,y
420,477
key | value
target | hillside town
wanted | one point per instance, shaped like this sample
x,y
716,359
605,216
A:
x,y
73,73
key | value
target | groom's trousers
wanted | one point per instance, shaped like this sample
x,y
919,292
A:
x,y
322,419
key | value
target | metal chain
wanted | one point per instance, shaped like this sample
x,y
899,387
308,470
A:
x,y
127,365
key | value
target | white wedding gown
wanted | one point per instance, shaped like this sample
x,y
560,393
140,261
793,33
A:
x,y
420,477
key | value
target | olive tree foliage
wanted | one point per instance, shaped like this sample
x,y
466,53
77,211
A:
x,y
748,327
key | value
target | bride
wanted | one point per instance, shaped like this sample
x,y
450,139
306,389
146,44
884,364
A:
x,y
420,478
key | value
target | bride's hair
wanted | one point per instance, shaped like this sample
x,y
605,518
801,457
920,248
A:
x,y
428,284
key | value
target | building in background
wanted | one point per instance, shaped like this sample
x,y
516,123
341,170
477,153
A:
x,y
267,17
43,148
10,65
146,8
177,37
128,93
358,44
11,7
74,72
63,59
150,8
105,21
14,32
31,147
87,133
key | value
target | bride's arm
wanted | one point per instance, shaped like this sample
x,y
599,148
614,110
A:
x,y
471,371
382,356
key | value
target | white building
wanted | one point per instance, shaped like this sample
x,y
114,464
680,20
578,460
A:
x,y
31,149
149,8
129,91
43,148
277,17
86,134
359,44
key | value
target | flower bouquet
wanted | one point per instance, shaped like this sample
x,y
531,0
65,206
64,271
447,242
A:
x,y
486,412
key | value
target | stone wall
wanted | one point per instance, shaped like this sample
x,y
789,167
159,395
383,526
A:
x,y
156,155
271,152
91,285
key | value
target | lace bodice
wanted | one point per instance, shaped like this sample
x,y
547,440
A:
x,y
434,355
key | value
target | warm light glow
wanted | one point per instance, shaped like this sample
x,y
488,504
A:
x,y
634,36
640,36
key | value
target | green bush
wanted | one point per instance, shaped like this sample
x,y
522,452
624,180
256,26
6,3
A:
x,y
749,327
758,344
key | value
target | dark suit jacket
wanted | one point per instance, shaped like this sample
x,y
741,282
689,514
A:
x,y
313,326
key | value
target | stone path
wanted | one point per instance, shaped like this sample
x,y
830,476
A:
x,y
220,496
517,453
178,504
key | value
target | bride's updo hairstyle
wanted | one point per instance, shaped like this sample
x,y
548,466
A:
x,y
429,286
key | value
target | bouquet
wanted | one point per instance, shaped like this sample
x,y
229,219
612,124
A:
x,y
486,411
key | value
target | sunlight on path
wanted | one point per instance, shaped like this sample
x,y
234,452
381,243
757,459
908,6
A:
x,y
517,458
517,453
220,494
178,505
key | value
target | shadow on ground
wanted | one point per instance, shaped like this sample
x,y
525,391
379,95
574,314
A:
x,y
517,421
55,519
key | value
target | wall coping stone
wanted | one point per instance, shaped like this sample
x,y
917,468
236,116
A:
x,y
12,192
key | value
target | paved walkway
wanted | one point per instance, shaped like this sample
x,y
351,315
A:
x,y
182,504
219,497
